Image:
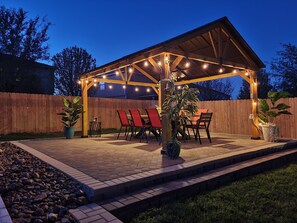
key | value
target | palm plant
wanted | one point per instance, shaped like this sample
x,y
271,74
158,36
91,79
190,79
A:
x,y
179,107
268,111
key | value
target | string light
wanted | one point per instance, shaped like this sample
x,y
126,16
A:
x,y
95,85
145,63
95,80
221,70
255,84
148,90
117,73
166,58
110,86
187,64
104,76
179,87
234,71
136,89
130,69
205,66
159,63
246,73
87,81
124,87
79,81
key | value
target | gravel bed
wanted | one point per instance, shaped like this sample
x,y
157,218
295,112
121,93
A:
x,y
34,191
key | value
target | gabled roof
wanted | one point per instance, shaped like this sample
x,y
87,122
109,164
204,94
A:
x,y
217,43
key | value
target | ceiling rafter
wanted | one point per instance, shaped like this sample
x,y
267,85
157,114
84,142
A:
x,y
145,73
212,44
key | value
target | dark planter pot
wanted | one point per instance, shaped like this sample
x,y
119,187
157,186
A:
x,y
173,149
69,132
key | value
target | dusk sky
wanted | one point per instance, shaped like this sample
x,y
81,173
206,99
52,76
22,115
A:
x,y
112,29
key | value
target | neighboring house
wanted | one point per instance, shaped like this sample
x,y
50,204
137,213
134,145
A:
x,y
24,76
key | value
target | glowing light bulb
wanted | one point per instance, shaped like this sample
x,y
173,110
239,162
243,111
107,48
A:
x,y
87,81
110,86
79,81
145,63
104,76
166,58
117,73
136,89
159,63
246,73
95,80
187,64
205,65
130,69
148,90
221,70
255,84
124,87
179,87
95,85
234,71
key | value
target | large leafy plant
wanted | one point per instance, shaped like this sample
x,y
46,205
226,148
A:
x,y
180,106
71,111
269,109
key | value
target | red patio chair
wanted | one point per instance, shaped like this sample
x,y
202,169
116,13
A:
x,y
155,121
124,123
138,123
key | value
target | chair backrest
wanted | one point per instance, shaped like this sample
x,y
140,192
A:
x,y
205,119
197,115
154,118
136,118
123,118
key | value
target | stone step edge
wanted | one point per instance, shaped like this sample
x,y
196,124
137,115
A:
x,y
134,182
96,189
4,215
154,196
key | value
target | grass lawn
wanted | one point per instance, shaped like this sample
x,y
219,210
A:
x,y
267,197
21,136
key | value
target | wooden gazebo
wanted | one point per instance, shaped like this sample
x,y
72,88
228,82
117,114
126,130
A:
x,y
213,51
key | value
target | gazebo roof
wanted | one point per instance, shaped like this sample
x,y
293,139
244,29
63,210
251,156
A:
x,y
213,50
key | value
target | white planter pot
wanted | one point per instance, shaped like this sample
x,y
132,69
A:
x,y
270,132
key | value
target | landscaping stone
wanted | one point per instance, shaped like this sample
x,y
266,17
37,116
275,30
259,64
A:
x,y
35,192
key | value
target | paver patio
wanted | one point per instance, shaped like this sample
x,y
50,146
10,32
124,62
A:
x,y
106,158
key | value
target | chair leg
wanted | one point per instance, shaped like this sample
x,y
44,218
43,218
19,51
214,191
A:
x,y
198,134
208,135
129,129
119,132
132,130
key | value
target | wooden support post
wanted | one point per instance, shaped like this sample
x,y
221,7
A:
x,y
166,123
254,101
85,119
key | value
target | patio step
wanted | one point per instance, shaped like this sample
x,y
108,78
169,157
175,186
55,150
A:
x,y
126,206
128,184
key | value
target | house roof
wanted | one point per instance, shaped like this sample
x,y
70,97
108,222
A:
x,y
195,55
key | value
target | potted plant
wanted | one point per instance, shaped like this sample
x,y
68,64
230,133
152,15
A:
x,y
70,115
269,110
178,108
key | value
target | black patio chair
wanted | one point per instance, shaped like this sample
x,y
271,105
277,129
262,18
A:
x,y
203,123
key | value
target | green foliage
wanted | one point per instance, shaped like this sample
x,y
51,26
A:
x,y
267,197
23,37
284,68
71,112
180,105
268,111
69,65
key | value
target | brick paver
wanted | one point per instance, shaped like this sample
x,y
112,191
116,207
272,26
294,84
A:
x,y
106,158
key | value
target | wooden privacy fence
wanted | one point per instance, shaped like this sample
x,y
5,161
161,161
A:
x,y
38,113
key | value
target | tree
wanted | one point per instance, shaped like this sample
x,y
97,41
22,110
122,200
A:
x,y
264,86
22,40
69,65
216,90
23,37
285,69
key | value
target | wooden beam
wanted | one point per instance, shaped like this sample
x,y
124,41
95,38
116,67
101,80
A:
x,y
246,78
121,74
220,44
212,44
110,81
85,114
131,74
140,84
144,73
226,48
156,90
154,63
206,78
175,63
